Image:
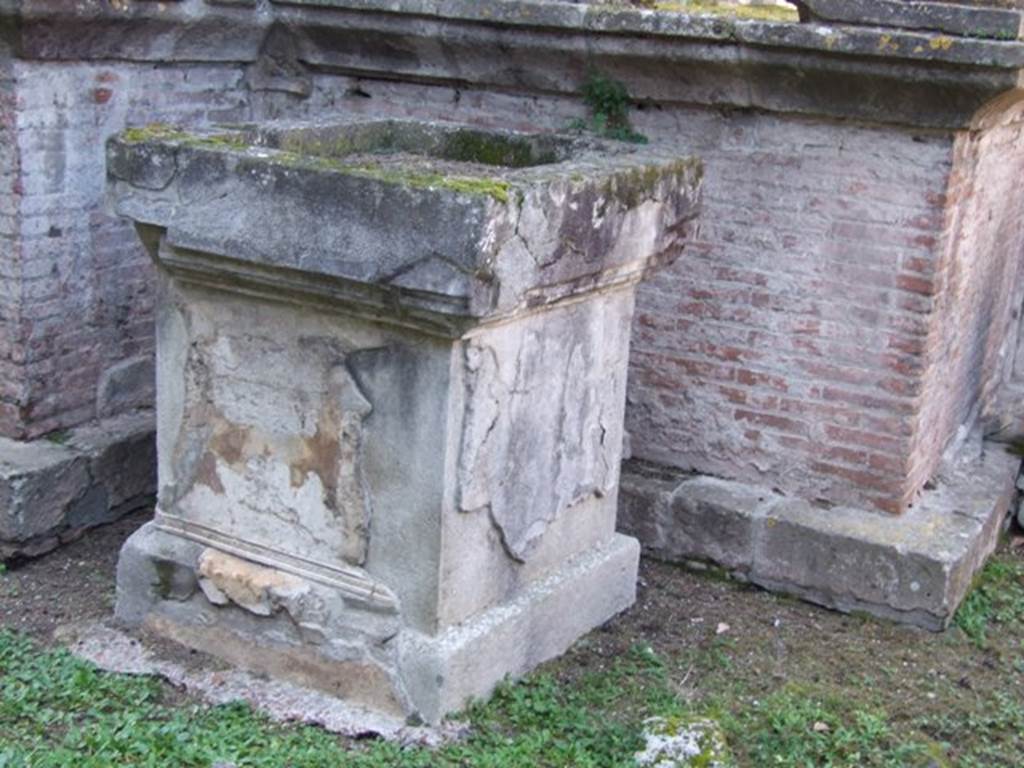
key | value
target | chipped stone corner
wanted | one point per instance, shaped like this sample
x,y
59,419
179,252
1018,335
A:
x,y
914,568
263,617
52,489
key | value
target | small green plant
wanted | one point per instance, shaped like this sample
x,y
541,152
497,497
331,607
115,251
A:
x,y
58,437
609,104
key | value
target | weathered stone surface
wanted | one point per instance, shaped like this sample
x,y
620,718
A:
x,y
122,458
524,475
41,482
888,75
262,618
915,568
117,650
285,447
260,590
405,431
543,620
682,742
980,19
470,224
719,515
127,386
51,491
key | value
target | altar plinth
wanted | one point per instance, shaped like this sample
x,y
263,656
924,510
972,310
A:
x,y
391,379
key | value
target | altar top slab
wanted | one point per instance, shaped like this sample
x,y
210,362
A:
x,y
452,219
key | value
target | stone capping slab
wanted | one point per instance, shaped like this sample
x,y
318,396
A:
x,y
914,568
878,74
976,20
838,38
51,491
156,23
447,218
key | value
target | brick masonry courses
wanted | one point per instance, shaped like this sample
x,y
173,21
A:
x,y
84,284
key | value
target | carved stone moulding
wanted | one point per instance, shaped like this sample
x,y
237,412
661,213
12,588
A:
x,y
391,379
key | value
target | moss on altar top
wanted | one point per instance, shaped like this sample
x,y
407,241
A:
x,y
713,7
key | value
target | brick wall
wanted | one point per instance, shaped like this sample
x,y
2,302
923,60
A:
x,y
83,328
787,346
976,281
10,256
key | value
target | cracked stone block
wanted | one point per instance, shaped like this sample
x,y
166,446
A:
x,y
52,490
391,362
915,568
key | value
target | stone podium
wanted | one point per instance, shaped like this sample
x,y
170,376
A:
x,y
391,379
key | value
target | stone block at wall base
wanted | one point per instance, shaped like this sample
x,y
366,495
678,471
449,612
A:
x,y
914,568
52,489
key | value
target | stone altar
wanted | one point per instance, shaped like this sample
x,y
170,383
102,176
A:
x,y
391,378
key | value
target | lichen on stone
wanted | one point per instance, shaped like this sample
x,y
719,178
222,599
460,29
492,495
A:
x,y
315,154
477,147
683,742
467,185
163,132
731,10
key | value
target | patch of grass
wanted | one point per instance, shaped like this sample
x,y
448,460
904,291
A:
x,y
56,710
996,597
805,727
58,437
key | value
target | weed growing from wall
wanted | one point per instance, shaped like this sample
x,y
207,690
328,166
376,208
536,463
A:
x,y
609,103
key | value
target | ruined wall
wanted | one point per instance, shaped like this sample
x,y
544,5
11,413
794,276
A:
x,y
975,281
786,346
10,252
82,313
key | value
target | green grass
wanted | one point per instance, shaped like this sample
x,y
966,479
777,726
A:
x,y
56,710
851,694
996,598
811,727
